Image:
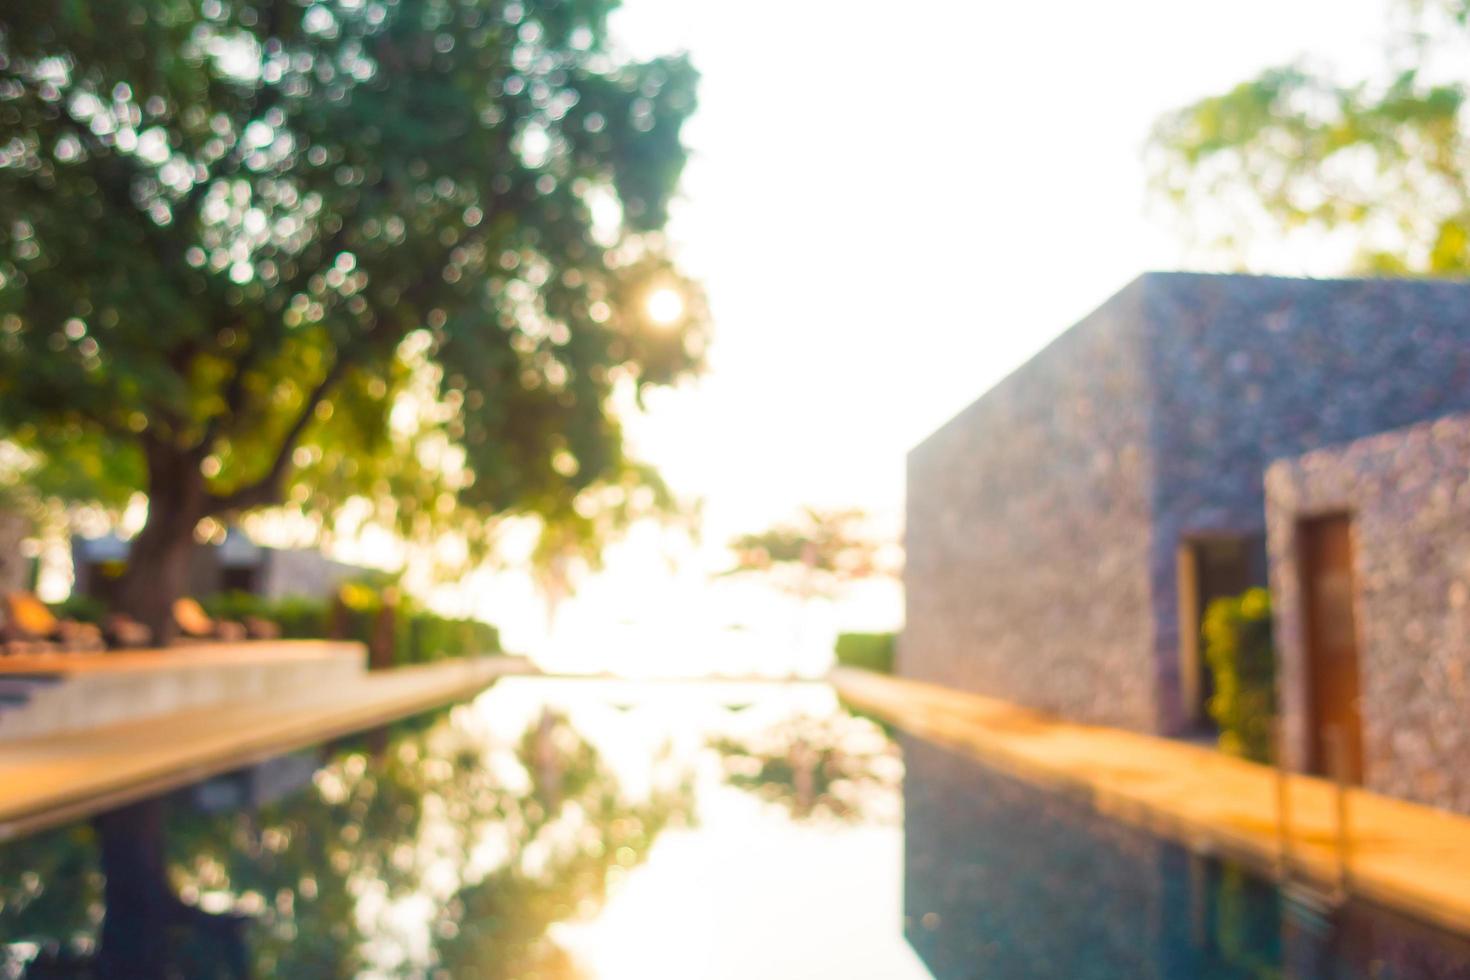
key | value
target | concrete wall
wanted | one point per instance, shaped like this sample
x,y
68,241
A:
x,y
1027,534
1249,369
1409,496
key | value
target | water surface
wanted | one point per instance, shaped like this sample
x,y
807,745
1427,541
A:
x,y
560,828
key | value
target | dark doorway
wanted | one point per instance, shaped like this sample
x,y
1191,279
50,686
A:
x,y
1333,676
1217,566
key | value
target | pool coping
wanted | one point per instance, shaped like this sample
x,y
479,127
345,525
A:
x,y
55,779
1411,858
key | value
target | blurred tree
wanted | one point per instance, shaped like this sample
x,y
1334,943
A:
x,y
840,766
814,555
1378,165
577,831
260,252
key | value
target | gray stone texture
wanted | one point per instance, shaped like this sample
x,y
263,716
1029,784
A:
x,y
1408,493
1044,520
1028,531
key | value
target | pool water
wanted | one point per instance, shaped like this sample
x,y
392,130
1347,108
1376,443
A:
x,y
560,829
1002,879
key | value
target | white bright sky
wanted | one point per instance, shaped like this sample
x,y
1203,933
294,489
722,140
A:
x,y
891,207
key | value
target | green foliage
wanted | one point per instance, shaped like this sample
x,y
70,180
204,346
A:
x,y
50,889
420,636
1379,163
80,608
261,252
433,637
1242,656
867,651
299,617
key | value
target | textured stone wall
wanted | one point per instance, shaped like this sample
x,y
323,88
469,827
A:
x,y
1249,369
1044,521
1027,534
1408,493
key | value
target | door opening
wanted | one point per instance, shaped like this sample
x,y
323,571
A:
x,y
1215,567
1333,672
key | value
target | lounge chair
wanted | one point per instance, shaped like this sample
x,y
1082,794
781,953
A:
x,y
30,627
195,624
124,632
259,628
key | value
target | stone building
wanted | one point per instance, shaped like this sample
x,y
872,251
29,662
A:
x,y
1066,531
1370,573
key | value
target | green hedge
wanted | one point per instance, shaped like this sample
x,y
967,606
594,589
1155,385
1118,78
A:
x,y
420,636
1242,656
80,608
868,651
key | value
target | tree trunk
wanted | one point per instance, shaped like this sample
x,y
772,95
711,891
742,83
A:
x,y
145,923
15,569
139,903
159,557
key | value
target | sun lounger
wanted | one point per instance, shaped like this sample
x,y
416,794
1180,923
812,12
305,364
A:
x,y
30,627
194,624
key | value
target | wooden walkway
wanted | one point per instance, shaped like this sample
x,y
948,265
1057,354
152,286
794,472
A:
x,y
1412,858
52,780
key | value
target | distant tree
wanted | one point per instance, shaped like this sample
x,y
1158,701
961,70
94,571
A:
x,y
814,555
840,766
261,252
1380,164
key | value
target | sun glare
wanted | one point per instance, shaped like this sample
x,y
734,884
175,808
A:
x,y
665,306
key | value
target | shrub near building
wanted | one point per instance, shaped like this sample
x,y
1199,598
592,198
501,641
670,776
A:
x,y
419,635
867,651
1242,657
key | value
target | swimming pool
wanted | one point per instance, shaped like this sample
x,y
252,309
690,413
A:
x,y
589,828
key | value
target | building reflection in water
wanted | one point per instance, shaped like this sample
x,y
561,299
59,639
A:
x,y
1003,880
430,850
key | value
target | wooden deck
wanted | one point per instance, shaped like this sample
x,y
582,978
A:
x,y
1412,858
56,779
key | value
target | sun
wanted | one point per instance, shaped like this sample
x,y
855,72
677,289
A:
x,y
665,306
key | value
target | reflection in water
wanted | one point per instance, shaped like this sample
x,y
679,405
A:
x,y
432,850
450,848
837,766
1005,880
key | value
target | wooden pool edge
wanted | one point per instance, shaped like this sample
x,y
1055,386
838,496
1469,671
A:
x,y
51,781
1406,857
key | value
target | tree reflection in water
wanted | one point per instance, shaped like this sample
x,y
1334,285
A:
x,y
431,851
839,766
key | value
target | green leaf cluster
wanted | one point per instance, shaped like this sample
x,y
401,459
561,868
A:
x,y
260,252
420,635
1241,655
867,651
1377,165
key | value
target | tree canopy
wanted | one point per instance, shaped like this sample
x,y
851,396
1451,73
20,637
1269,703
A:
x,y
266,251
812,555
1376,166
